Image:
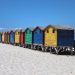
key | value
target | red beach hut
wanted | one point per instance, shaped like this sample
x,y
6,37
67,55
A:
x,y
5,37
22,35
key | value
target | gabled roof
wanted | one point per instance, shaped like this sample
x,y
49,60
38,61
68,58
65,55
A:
x,y
40,27
64,27
11,31
18,30
22,30
60,27
30,28
14,29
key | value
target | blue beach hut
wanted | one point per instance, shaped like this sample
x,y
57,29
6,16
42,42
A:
x,y
38,37
12,37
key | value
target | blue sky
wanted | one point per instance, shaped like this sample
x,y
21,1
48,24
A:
x,y
30,13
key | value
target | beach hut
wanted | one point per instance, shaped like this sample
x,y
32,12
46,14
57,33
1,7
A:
x,y
22,35
8,38
59,38
0,37
50,38
17,37
28,37
38,38
3,37
12,37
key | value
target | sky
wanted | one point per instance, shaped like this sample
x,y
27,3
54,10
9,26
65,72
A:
x,y
31,13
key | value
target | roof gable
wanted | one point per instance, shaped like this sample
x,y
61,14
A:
x,y
38,27
60,27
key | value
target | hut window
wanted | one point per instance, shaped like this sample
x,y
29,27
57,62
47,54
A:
x,y
53,30
47,31
18,32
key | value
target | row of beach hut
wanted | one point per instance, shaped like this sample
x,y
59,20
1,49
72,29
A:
x,y
52,38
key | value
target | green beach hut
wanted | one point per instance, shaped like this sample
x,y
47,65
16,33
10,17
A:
x,y
28,37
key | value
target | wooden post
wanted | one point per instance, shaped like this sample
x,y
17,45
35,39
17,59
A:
x,y
50,50
43,48
56,50
37,47
31,46
72,51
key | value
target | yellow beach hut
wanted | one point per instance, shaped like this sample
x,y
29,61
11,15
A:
x,y
17,37
57,38
50,36
3,37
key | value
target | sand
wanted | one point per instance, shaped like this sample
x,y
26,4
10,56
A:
x,y
16,60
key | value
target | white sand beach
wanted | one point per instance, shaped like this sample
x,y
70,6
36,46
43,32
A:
x,y
16,60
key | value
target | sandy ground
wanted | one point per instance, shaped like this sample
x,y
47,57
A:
x,y
15,60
